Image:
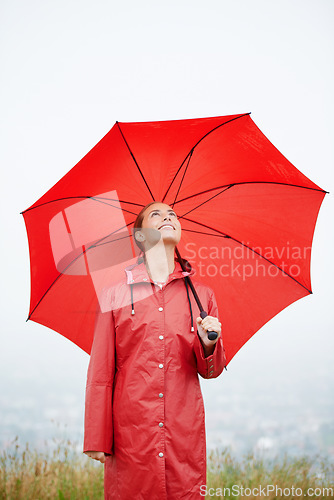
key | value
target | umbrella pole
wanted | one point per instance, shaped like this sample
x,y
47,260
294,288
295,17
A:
x,y
203,314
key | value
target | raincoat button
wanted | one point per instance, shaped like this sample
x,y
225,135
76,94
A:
x,y
161,395
161,337
161,455
161,365
161,308
161,424
144,279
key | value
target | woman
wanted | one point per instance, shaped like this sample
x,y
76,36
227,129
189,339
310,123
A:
x,y
144,415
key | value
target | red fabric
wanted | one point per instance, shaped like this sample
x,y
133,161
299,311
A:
x,y
123,407
247,217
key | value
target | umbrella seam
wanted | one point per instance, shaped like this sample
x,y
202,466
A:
x,y
250,248
179,201
197,143
134,159
74,260
251,182
99,199
206,201
184,173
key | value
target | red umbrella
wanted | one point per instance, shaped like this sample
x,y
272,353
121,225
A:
x,y
247,215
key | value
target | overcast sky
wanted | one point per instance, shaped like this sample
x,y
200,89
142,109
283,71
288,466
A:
x,y
71,68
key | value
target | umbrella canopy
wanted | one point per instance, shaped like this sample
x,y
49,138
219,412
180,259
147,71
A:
x,y
247,215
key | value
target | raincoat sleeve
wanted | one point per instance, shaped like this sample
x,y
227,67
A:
x,y
213,365
100,376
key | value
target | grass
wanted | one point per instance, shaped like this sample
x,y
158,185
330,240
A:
x,y
66,474
287,478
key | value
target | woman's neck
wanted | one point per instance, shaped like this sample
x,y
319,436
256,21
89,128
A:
x,y
159,261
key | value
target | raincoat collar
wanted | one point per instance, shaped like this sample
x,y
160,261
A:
x,y
137,273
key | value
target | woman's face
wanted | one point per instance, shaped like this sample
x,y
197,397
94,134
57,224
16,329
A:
x,y
162,218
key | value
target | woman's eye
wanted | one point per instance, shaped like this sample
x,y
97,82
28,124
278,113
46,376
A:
x,y
172,214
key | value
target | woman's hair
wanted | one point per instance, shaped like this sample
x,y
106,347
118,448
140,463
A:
x,y
138,224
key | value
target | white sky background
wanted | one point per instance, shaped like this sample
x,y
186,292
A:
x,y
71,68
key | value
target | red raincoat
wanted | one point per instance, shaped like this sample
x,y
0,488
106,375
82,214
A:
x,y
144,404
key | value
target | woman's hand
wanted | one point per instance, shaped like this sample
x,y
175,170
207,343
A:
x,y
96,455
208,324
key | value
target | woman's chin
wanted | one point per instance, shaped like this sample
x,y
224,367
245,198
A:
x,y
171,239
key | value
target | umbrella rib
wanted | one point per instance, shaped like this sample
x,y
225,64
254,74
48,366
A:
x,y
179,201
96,198
52,201
206,201
134,159
249,248
184,173
192,150
222,235
250,182
105,200
97,243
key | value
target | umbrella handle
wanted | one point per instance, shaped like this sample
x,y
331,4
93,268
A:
x,y
211,335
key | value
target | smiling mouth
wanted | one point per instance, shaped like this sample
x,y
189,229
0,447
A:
x,y
169,226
